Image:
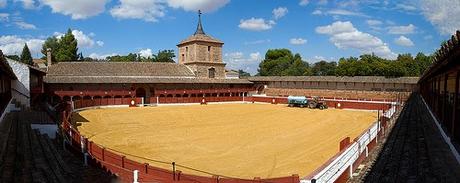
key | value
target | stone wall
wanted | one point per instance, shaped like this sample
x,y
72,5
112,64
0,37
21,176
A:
x,y
342,85
21,86
349,94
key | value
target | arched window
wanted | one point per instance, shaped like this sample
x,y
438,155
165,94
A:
x,y
211,73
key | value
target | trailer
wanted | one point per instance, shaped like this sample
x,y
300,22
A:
x,y
300,101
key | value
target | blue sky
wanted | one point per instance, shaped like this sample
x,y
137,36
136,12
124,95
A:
x,y
317,29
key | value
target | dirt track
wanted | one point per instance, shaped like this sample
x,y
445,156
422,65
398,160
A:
x,y
239,140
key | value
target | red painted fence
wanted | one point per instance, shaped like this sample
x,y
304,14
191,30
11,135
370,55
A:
x,y
123,166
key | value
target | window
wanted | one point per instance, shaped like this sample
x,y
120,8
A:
x,y
211,73
209,48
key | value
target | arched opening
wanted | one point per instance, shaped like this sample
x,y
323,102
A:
x,y
97,100
214,94
185,95
162,95
178,95
207,95
76,98
169,95
140,93
212,73
193,95
66,98
200,95
117,100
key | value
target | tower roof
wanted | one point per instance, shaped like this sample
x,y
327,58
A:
x,y
199,35
199,27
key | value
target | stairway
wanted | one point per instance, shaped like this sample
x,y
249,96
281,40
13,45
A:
x,y
28,156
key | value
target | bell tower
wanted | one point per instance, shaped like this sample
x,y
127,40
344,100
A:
x,y
202,53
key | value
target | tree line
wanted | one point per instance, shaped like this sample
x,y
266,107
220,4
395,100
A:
x,y
65,49
281,62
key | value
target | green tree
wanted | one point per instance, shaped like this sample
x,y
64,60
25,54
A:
x,y
67,50
63,49
164,56
323,68
281,62
423,62
26,57
131,57
243,73
52,43
14,57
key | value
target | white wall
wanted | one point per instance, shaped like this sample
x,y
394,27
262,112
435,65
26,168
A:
x,y
21,86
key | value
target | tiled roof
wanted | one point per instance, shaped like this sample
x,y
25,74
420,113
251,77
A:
x,y
119,69
126,72
200,38
139,79
367,79
5,67
443,56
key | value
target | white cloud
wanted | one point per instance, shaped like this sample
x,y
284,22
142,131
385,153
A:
x,y
322,2
404,41
24,25
427,37
374,22
2,3
238,60
317,12
146,53
304,2
443,14
256,24
297,41
147,10
27,4
345,13
409,29
100,43
279,12
12,45
4,17
405,7
319,58
78,10
101,56
344,35
261,41
82,39
195,5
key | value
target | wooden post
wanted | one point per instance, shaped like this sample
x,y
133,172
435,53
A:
x,y
123,161
454,110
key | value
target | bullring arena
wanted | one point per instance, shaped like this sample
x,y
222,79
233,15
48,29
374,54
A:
x,y
235,140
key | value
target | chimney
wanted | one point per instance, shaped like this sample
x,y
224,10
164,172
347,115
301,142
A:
x,y
48,57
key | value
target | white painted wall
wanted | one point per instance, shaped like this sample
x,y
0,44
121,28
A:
x,y
21,86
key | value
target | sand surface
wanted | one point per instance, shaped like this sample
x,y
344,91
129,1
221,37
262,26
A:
x,y
238,140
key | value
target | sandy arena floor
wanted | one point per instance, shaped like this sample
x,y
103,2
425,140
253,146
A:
x,y
239,140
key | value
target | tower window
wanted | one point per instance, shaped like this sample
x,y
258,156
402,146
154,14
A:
x,y
211,73
209,48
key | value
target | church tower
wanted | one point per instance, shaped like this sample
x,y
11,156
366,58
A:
x,y
202,53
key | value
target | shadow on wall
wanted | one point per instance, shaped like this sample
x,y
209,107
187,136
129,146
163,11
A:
x,y
77,119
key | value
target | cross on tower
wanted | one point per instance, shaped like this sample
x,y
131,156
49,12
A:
x,y
199,27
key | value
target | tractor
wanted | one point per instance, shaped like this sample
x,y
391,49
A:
x,y
317,103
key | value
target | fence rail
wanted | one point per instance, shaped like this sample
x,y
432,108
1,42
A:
x,y
342,165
